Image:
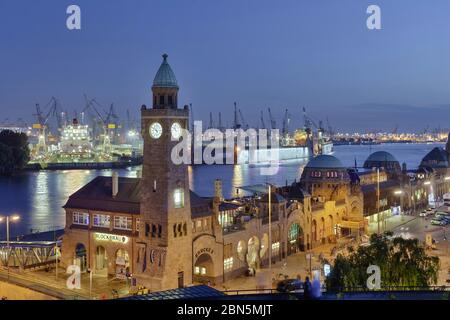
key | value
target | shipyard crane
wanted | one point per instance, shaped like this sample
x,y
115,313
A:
x,y
220,122
263,124
102,121
236,124
211,121
243,122
43,122
273,123
286,121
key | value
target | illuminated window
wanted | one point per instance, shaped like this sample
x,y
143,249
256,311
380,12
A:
x,y
228,264
81,218
200,270
178,198
123,223
101,220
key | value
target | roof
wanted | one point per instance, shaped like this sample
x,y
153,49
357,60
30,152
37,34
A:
x,y
325,161
275,198
435,158
224,206
381,156
195,292
97,195
165,78
295,192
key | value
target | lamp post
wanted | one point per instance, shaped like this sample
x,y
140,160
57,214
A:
x,y
400,194
378,200
8,219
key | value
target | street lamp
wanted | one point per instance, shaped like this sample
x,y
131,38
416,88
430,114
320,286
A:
x,y
7,219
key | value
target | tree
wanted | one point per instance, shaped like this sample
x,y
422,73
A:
x,y
14,151
403,263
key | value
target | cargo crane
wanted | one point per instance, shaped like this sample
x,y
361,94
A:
x,y
273,123
263,124
236,124
211,121
243,122
286,121
43,124
103,122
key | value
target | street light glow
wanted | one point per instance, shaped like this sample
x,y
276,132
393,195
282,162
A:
x,y
15,218
398,192
427,183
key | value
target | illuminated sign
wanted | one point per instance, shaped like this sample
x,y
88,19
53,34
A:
x,y
110,237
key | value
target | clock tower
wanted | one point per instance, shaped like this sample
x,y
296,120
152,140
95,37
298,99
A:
x,y
164,250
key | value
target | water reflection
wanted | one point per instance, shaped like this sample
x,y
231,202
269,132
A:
x,y
39,196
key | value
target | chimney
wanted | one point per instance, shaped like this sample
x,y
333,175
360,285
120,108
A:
x,y
115,184
218,190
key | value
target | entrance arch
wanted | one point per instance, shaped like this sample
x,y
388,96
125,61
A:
x,y
203,267
253,252
100,259
80,257
295,239
122,264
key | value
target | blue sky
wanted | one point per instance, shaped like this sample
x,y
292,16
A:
x,y
260,53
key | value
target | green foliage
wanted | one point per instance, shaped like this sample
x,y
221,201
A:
x,y
14,152
403,263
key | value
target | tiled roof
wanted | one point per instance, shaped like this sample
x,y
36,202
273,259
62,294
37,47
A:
x,y
97,195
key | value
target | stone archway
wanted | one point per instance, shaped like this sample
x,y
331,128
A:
x,y
81,257
101,258
264,246
295,238
253,248
204,268
122,263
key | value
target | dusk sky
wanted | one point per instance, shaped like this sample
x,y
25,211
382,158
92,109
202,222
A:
x,y
259,53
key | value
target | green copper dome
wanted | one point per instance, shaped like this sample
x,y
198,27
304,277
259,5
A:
x,y
165,78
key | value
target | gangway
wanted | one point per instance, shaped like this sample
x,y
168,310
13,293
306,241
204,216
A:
x,y
29,255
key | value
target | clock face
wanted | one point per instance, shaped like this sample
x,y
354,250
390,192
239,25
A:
x,y
155,130
176,130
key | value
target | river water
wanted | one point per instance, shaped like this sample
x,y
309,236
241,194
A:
x,y
38,197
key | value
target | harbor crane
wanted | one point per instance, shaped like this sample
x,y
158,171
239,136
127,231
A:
x,y
263,124
243,122
286,121
273,123
43,122
236,124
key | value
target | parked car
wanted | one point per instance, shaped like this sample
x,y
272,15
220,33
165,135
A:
x,y
289,285
439,222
